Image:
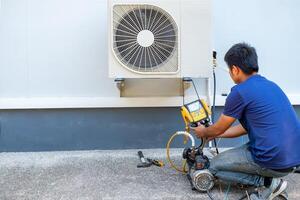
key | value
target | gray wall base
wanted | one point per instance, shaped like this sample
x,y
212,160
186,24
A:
x,y
91,129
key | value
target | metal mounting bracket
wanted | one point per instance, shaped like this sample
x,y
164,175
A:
x,y
186,81
120,83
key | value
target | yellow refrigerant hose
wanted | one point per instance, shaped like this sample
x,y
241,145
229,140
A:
x,y
182,170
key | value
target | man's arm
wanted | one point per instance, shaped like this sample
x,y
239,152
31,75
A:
x,y
233,132
217,129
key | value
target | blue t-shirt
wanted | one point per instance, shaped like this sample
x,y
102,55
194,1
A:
x,y
270,121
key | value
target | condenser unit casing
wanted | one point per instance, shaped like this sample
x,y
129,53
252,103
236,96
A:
x,y
159,38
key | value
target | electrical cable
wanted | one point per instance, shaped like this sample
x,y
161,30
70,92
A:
x,y
213,114
209,195
214,97
227,192
246,195
182,91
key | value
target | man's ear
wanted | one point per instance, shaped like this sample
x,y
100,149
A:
x,y
235,69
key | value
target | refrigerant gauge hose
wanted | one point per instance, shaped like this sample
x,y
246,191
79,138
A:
x,y
178,133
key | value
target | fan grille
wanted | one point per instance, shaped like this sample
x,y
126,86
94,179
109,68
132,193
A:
x,y
145,38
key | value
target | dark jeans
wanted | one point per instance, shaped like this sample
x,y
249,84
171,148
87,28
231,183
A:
x,y
236,165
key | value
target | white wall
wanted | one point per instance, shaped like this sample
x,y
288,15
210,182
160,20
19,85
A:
x,y
53,53
54,48
272,27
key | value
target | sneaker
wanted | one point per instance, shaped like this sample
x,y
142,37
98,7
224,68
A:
x,y
277,187
284,195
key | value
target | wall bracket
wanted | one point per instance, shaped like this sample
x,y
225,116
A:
x,y
120,83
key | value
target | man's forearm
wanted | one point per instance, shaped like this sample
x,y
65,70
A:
x,y
233,132
216,129
212,131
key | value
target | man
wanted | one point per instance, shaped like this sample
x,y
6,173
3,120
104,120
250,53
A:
x,y
267,116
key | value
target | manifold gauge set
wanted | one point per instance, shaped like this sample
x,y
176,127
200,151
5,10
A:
x,y
196,164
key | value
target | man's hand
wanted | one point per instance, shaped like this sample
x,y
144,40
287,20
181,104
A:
x,y
214,130
199,131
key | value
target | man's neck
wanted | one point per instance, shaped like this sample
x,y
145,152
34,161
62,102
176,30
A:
x,y
245,77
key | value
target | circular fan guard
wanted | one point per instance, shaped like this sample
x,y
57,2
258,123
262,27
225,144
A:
x,y
145,38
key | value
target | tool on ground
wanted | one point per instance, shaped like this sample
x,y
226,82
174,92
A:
x,y
147,162
157,163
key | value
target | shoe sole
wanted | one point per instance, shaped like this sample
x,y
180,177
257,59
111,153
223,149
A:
x,y
283,195
281,187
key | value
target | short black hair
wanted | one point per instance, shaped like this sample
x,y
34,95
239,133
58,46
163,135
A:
x,y
243,56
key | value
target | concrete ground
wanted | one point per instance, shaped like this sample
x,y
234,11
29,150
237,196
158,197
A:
x,y
102,175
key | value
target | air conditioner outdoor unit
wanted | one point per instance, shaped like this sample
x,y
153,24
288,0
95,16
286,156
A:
x,y
159,38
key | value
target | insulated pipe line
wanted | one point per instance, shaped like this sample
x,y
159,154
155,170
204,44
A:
x,y
182,170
